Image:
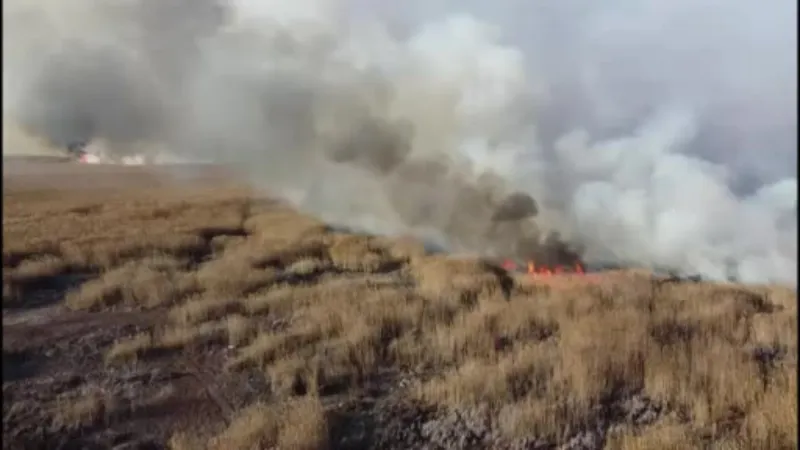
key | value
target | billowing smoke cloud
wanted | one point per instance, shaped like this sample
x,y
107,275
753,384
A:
x,y
659,134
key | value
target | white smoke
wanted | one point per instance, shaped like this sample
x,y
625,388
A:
x,y
658,133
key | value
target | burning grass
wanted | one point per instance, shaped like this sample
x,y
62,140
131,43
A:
x,y
320,313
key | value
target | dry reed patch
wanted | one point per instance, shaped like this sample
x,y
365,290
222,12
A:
x,y
451,334
296,424
99,229
53,231
775,331
304,425
16,251
540,384
309,266
240,329
602,356
31,273
37,268
783,297
287,300
313,316
296,375
110,251
688,348
716,353
203,308
224,243
171,338
371,339
186,440
167,339
282,222
519,390
276,252
345,332
358,253
465,279
230,277
402,248
268,347
496,382
140,284
662,436
282,254
772,422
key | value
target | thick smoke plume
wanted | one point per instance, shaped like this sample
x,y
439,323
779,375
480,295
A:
x,y
659,134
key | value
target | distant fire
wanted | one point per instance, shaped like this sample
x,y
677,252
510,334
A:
x,y
532,268
591,273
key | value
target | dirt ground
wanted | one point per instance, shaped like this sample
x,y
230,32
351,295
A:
x,y
149,310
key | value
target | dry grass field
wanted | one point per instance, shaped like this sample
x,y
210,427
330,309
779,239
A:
x,y
149,313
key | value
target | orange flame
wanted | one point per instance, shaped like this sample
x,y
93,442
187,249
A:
x,y
556,270
534,269
509,265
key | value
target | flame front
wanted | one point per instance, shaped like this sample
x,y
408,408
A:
x,y
534,269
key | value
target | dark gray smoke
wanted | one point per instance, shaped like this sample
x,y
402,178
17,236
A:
x,y
662,133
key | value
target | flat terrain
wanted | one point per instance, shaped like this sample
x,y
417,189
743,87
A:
x,y
149,310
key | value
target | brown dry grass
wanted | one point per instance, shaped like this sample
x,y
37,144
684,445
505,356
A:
x,y
316,310
295,424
